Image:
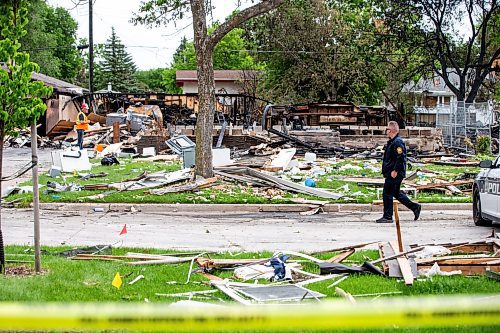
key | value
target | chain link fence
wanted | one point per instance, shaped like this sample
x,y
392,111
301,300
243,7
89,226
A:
x,y
463,123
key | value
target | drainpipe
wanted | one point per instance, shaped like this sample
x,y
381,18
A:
x,y
264,116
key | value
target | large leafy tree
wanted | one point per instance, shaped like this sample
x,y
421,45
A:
x,y
316,50
51,41
116,66
151,80
158,12
20,98
230,53
455,36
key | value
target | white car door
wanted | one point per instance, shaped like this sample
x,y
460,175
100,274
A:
x,y
490,200
496,194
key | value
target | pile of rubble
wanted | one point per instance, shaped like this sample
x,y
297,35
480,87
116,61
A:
x,y
282,278
271,172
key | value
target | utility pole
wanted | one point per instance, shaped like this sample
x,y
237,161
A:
x,y
36,198
91,57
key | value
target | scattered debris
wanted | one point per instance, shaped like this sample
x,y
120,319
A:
x,y
267,179
136,279
435,270
345,295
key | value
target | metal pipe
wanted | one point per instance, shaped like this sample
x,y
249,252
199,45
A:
x,y
264,116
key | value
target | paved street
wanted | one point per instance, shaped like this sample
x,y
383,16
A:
x,y
15,159
249,232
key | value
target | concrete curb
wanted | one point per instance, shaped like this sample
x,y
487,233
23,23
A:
x,y
238,208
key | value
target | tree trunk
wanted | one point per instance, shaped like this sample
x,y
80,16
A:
x,y
204,45
206,90
36,197
2,250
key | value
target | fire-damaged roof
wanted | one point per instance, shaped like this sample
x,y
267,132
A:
x,y
60,86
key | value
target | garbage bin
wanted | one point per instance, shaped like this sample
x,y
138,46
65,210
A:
x,y
137,121
188,157
183,146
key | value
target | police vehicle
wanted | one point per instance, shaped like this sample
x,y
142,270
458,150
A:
x,y
486,193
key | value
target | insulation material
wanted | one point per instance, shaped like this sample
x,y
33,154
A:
x,y
221,157
283,159
71,160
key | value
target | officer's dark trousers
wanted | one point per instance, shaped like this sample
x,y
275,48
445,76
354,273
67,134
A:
x,y
80,138
392,190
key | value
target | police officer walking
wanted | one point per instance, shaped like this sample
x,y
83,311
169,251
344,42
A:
x,y
82,124
394,171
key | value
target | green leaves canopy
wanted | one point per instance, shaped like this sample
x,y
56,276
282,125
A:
x,y
20,97
317,51
51,41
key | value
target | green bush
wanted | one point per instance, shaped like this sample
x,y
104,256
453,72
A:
x,y
483,144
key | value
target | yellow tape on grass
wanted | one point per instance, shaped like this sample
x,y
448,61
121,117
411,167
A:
x,y
388,313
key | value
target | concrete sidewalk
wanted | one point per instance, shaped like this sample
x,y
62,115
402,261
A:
x,y
242,208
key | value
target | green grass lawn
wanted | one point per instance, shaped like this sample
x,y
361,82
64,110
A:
x,y
65,280
332,179
85,280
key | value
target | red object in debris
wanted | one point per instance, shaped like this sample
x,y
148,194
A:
x,y
124,230
84,106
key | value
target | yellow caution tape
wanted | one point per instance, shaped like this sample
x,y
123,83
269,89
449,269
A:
x,y
387,313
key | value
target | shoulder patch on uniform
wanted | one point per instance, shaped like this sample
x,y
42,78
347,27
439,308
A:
x,y
399,150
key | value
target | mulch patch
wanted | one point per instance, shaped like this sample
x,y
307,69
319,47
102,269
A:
x,y
19,271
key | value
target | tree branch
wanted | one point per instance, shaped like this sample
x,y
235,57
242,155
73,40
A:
x,y
156,12
244,15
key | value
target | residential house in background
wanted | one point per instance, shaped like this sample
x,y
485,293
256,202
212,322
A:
x,y
432,99
434,103
226,81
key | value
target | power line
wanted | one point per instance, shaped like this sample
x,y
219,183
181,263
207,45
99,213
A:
x,y
312,52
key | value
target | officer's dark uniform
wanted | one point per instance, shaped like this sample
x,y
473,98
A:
x,y
395,160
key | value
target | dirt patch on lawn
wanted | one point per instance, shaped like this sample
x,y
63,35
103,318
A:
x,y
19,271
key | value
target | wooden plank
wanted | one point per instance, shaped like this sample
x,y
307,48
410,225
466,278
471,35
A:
x,y
171,260
472,248
391,266
197,184
398,226
102,256
452,163
95,118
473,261
211,277
466,269
496,245
444,184
116,133
381,254
92,258
462,257
404,265
341,256
227,263
397,254
343,248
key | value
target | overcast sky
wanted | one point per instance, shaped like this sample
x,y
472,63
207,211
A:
x,y
150,48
